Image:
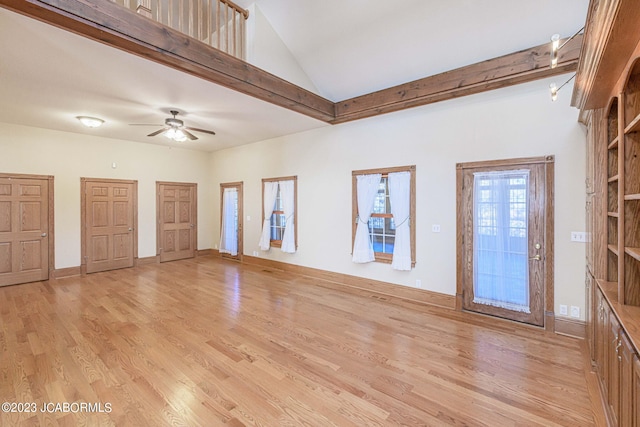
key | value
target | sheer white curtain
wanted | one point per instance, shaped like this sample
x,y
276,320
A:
x,y
367,189
500,238
287,193
270,194
400,198
229,230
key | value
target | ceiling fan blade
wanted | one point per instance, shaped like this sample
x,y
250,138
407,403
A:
x,y
158,132
200,130
191,136
143,124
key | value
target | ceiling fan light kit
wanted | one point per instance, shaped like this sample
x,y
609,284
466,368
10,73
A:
x,y
175,134
175,130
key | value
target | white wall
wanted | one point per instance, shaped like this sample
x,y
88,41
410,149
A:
x,y
266,50
519,121
69,156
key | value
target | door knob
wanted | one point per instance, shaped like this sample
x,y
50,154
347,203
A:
x,y
537,258
130,229
43,235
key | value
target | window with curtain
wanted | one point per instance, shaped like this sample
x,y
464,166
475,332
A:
x,y
383,206
229,227
500,237
280,214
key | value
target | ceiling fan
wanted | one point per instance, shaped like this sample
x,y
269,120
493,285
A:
x,y
175,129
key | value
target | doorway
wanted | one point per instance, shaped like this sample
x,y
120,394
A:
x,y
505,238
177,214
26,228
109,224
231,241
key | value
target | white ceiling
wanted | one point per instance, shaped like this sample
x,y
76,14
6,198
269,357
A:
x,y
347,48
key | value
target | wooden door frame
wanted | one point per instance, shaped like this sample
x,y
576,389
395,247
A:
x,y
239,185
548,286
194,214
50,214
83,214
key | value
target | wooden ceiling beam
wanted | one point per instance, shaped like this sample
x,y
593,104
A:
x,y
520,67
113,25
116,26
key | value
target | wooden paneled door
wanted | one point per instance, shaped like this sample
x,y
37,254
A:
x,y
505,238
26,224
177,214
109,224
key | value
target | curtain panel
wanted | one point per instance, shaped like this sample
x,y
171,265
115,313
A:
x,y
367,188
269,198
400,198
229,232
500,239
287,192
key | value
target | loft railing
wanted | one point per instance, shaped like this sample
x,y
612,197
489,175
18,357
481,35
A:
x,y
219,23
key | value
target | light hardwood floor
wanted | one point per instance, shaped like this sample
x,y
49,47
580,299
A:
x,y
209,342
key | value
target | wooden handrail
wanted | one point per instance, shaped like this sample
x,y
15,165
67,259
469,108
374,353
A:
x,y
237,8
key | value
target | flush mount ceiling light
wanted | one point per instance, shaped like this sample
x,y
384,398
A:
x,y
90,122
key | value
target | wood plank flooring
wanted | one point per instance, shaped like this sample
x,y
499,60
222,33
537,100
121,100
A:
x,y
210,342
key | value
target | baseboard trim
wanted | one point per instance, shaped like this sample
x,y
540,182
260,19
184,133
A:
x,y
60,273
571,327
205,252
356,283
148,260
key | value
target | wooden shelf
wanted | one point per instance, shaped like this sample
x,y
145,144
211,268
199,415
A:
x,y
634,126
613,214
634,252
632,196
613,249
613,178
614,143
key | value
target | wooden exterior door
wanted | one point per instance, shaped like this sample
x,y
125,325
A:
x,y
177,228
231,220
109,222
505,239
26,213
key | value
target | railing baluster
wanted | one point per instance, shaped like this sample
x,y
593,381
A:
x,y
196,19
218,27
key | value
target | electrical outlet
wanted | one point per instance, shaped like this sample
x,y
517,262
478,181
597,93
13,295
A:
x,y
563,310
575,311
418,283
435,228
578,236
248,217
255,253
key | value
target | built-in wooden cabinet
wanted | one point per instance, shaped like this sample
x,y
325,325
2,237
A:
x,y
615,359
635,399
627,391
607,91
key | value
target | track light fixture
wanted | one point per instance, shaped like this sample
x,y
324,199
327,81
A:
x,y
556,46
554,89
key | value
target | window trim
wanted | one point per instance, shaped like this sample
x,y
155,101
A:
x,y
294,178
379,256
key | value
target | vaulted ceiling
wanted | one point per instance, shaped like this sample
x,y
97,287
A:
x,y
346,48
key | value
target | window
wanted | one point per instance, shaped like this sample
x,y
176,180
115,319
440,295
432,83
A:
x,y
278,220
382,224
279,199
